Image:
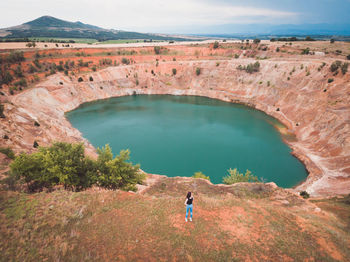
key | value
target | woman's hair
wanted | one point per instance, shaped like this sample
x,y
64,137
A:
x,y
188,195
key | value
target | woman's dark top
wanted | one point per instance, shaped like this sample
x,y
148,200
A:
x,y
189,201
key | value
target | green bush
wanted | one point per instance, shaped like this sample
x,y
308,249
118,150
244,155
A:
x,y
18,71
174,71
22,82
65,164
91,79
2,108
304,194
256,41
7,78
250,68
200,175
330,80
80,79
348,57
216,45
198,71
344,68
335,65
236,177
157,50
115,172
8,152
125,61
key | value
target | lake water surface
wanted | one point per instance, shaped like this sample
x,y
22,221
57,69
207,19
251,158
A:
x,y
179,135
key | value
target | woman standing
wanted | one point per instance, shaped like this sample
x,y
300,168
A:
x,y
189,205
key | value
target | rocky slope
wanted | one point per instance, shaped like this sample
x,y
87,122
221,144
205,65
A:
x,y
292,90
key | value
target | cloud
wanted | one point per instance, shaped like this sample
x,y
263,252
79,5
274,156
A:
x,y
189,12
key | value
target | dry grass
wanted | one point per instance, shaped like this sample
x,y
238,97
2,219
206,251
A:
x,y
101,225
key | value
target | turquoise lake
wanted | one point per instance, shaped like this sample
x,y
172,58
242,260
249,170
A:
x,y
179,135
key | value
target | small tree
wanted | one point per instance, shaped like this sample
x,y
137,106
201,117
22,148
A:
x,y
18,71
216,45
80,79
8,152
198,71
200,175
7,78
2,108
174,71
91,79
157,50
256,41
116,172
332,41
125,61
236,177
344,68
335,65
348,57
304,194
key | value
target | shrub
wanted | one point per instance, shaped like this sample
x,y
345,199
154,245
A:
x,y
157,50
2,108
91,79
105,61
8,152
65,164
22,82
344,68
37,63
330,80
305,51
80,79
125,61
216,45
7,78
18,71
236,177
256,41
116,172
198,71
32,69
332,41
335,65
348,57
200,175
250,68
94,68
15,57
174,71
304,194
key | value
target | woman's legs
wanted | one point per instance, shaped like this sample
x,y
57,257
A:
x,y
189,209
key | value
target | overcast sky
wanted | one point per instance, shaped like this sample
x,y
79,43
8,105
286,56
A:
x,y
170,15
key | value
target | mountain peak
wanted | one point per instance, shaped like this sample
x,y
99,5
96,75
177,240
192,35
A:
x,y
50,21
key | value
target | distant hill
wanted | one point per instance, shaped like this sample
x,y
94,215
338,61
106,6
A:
x,y
48,26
